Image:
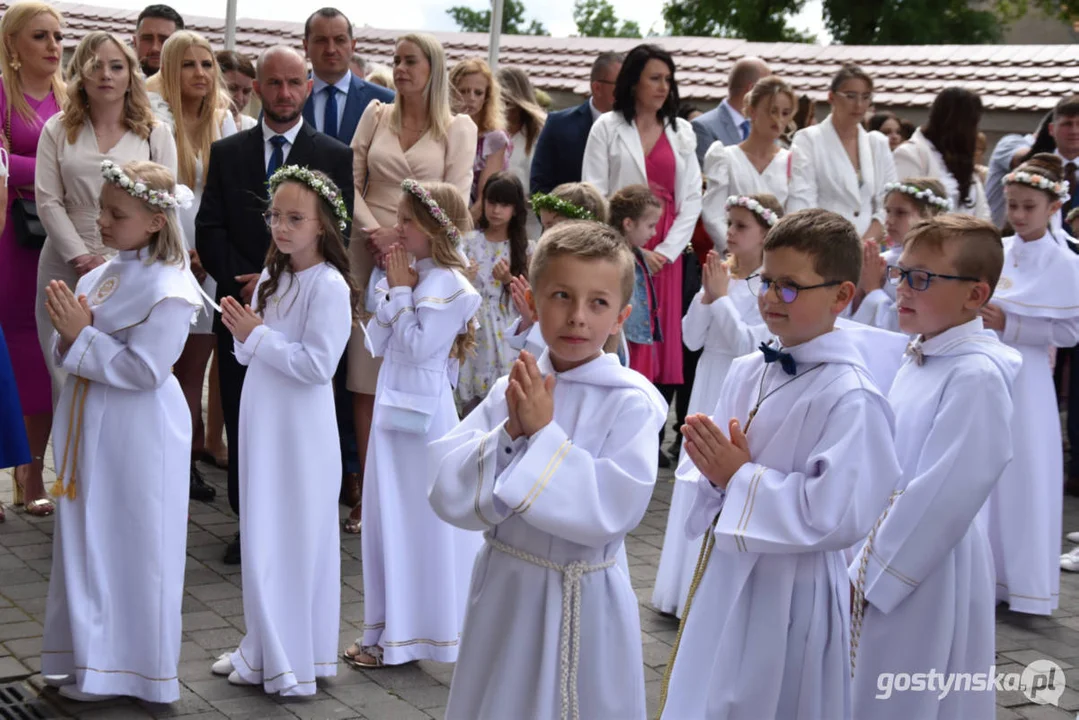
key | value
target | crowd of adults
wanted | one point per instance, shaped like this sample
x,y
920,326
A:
x,y
169,97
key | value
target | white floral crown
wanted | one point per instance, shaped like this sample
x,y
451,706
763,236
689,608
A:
x,y
440,216
1040,182
923,194
325,188
180,198
744,201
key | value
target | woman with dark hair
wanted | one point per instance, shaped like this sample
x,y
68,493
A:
x,y
888,125
943,149
643,141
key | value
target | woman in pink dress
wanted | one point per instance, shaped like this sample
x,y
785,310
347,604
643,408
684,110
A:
x,y
30,54
643,141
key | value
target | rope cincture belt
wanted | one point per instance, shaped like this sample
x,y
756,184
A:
x,y
74,425
570,635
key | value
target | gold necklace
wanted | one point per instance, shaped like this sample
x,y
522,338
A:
x,y
753,412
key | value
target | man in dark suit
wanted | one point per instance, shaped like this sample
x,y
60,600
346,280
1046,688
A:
x,y
338,98
560,147
230,234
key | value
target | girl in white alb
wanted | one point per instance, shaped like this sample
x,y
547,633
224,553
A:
x,y
290,463
112,617
725,321
1035,307
757,165
416,567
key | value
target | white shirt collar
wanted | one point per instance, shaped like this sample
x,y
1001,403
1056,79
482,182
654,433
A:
x,y
317,84
738,117
1064,159
595,113
290,134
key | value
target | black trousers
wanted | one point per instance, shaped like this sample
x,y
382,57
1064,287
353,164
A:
x,y
231,376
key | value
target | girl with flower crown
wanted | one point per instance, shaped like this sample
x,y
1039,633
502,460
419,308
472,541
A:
x,y
416,568
289,458
724,322
1035,307
122,444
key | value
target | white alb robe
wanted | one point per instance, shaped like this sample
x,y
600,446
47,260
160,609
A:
x,y
1039,294
729,171
767,633
290,468
929,583
122,437
878,308
415,566
565,497
729,327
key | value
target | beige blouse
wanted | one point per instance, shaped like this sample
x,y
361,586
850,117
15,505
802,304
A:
x,y
68,181
379,165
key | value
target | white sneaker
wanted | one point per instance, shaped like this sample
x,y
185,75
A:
x,y
58,681
1070,561
235,679
223,665
73,693
1073,536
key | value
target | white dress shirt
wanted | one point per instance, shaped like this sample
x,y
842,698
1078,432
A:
x,y
595,113
318,96
290,137
738,117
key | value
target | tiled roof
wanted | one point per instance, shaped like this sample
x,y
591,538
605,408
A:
x,y
1024,78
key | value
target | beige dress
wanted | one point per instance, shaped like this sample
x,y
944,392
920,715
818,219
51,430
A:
x,y
378,167
68,188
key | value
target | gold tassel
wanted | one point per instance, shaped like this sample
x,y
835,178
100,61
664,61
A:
x,y
57,488
71,490
74,425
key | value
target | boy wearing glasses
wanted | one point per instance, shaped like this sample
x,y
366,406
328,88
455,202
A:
x,y
797,470
925,577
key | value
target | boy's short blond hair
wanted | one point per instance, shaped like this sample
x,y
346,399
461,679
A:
x,y
979,251
587,240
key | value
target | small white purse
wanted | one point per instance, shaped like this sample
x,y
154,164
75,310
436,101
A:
x,y
405,412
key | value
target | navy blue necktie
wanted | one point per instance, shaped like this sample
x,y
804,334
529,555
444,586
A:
x,y
277,157
744,127
786,360
329,119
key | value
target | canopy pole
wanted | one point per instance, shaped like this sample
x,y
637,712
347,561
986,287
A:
x,y
230,25
495,34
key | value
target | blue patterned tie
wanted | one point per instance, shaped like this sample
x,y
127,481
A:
x,y
277,157
329,120
744,127
786,360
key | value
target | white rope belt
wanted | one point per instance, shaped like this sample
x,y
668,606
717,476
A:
x,y
570,635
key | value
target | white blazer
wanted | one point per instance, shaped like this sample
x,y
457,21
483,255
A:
x,y
822,175
614,158
920,158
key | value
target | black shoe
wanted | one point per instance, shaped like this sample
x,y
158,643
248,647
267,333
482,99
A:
x,y
664,461
675,449
232,552
200,490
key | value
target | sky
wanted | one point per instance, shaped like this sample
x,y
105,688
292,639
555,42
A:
x,y
556,15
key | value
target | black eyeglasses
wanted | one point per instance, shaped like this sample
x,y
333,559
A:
x,y
919,279
788,291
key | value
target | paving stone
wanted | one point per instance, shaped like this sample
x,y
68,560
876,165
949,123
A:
x,y
325,709
12,669
15,631
218,638
203,620
27,591
424,698
252,708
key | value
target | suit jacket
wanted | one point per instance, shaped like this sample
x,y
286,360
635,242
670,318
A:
x,y
360,93
716,124
230,234
559,150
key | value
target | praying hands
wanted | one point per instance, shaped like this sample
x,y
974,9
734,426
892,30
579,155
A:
x,y
717,457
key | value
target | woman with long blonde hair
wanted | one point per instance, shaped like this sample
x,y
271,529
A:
x,y
524,121
477,93
189,96
30,93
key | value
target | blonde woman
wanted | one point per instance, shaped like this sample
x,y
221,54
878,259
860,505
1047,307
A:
x,y
476,93
107,116
524,121
31,92
187,94
415,137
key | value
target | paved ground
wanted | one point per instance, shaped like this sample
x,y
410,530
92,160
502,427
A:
x,y
213,623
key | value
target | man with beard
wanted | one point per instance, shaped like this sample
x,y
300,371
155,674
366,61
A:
x,y
230,233
153,27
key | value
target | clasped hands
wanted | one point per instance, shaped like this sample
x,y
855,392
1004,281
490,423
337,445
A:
x,y
716,456
529,397
69,315
240,320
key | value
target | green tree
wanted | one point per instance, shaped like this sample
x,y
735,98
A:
x,y
513,19
755,20
596,18
904,22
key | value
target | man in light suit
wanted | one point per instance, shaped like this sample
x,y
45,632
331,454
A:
x,y
560,147
725,121
338,98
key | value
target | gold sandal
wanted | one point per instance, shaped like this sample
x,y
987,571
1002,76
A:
x,y
354,659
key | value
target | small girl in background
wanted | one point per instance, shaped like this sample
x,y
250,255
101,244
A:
x,y
634,213
1035,308
122,451
290,461
497,252
725,321
905,203
416,568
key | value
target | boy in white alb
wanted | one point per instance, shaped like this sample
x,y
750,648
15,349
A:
x,y
557,464
925,577
765,631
